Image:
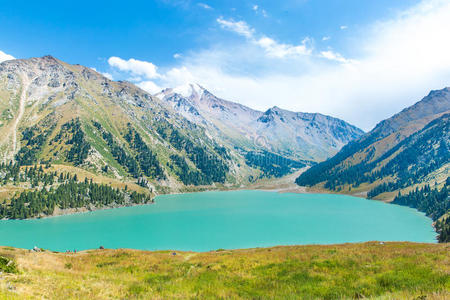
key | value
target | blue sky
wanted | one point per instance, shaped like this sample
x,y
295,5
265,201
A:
x,y
347,58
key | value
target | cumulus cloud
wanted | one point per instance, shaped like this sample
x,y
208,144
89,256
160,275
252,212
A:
x,y
134,67
4,56
178,76
343,27
149,86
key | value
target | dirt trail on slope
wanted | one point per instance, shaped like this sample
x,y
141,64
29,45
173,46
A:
x,y
23,98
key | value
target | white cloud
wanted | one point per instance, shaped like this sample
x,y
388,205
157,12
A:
x,y
239,27
134,67
279,50
204,5
260,10
326,38
330,55
177,55
106,74
4,56
178,76
149,86
271,47
343,27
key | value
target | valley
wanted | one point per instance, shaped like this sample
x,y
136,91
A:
x,y
263,150
69,119
77,142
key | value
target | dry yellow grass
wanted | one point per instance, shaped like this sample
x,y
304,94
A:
x,y
373,270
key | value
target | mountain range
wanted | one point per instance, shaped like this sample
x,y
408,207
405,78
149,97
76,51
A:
x,y
67,115
304,136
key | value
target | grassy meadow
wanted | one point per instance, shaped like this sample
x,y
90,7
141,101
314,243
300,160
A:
x,y
367,270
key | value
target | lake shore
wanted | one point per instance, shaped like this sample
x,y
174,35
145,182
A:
x,y
285,184
272,184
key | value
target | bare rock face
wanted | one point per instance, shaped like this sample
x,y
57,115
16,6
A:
x,y
298,135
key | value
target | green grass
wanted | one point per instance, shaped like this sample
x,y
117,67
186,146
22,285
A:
x,y
7,265
369,270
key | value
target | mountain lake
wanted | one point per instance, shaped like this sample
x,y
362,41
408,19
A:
x,y
224,220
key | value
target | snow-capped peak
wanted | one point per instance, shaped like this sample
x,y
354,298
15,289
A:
x,y
189,89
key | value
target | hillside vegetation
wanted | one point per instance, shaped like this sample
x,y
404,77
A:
x,y
369,270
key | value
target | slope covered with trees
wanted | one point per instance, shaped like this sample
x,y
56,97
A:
x,y
272,164
434,202
63,191
360,161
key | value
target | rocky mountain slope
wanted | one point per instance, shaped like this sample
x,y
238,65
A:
x,y
304,136
53,112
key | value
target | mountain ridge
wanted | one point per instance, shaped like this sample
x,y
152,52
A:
x,y
304,136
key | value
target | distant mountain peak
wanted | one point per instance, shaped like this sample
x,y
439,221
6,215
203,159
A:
x,y
48,57
189,90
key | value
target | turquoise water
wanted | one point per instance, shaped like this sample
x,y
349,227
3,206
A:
x,y
229,220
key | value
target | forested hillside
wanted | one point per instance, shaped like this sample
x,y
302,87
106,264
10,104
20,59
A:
x,y
400,150
434,202
42,191
408,151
